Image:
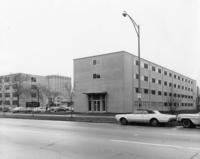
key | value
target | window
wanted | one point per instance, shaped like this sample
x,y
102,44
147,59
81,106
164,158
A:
x,y
137,76
159,93
165,73
165,83
179,95
14,94
159,81
179,86
94,62
178,77
153,68
153,92
0,94
33,79
95,76
146,91
170,75
175,76
174,94
182,87
137,62
15,102
14,86
188,81
146,66
170,94
146,78
159,70
7,79
33,87
7,94
165,93
174,85
165,104
7,102
170,84
191,82
153,80
182,79
7,87
185,80
136,90
185,88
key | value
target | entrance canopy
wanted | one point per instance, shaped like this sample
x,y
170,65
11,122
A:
x,y
91,93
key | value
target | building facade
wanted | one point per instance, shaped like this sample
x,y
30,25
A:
x,y
31,90
109,83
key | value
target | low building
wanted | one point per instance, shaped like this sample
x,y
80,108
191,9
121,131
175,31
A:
x,y
32,90
109,83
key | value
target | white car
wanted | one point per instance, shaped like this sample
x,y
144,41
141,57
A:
x,y
151,117
189,120
39,109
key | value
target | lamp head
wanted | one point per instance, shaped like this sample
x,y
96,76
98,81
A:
x,y
124,14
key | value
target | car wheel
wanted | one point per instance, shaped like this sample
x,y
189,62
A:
x,y
123,121
154,122
187,123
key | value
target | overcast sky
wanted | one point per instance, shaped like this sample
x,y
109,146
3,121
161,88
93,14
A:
x,y
44,36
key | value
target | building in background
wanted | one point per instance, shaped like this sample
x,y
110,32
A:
x,y
109,83
33,90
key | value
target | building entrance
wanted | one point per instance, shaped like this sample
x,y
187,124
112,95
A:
x,y
97,102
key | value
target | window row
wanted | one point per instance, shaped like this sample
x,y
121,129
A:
x,y
166,73
14,79
157,104
178,104
160,93
7,95
153,80
8,102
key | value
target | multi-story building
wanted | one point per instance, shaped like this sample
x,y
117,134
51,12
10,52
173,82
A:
x,y
32,90
109,83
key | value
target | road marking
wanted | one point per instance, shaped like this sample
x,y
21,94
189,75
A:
x,y
158,145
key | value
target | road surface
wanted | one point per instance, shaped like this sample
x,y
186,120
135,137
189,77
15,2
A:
x,y
40,139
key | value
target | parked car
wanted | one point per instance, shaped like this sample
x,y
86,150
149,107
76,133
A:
x,y
58,109
39,109
189,120
21,110
152,117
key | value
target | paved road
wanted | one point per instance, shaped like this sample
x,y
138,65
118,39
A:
x,y
36,139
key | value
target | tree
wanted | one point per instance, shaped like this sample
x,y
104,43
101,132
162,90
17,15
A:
x,y
173,103
70,93
20,87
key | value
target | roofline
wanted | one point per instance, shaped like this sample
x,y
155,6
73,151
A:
x,y
117,52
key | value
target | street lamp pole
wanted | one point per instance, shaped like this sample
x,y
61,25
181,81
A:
x,y
137,30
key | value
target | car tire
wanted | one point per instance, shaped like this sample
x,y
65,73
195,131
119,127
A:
x,y
154,122
123,121
187,123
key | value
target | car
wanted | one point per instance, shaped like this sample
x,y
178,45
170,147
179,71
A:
x,y
21,110
58,109
152,117
39,109
189,120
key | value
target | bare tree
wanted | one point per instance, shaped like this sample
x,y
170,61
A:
x,y
20,87
173,103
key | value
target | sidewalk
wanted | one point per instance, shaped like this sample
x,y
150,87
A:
x,y
62,117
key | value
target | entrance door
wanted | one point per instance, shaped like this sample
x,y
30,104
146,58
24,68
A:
x,y
96,103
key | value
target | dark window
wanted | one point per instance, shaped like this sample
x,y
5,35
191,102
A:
x,y
165,83
94,62
182,79
165,73
153,80
165,104
146,78
159,93
159,70
14,94
182,87
7,102
137,76
170,84
95,76
1,80
153,68
159,81
174,94
146,66
170,94
7,87
137,63
146,91
179,95
185,80
136,90
174,85
7,94
153,92
33,79
15,102
178,77
179,86
170,75
175,76
185,88
165,93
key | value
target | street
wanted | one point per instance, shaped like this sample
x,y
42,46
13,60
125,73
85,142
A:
x,y
40,139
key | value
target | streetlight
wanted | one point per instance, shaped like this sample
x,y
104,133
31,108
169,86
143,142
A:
x,y
137,30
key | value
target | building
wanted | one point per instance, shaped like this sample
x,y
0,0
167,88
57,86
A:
x,y
109,83
32,90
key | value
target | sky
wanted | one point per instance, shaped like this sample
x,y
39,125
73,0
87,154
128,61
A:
x,y
43,37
